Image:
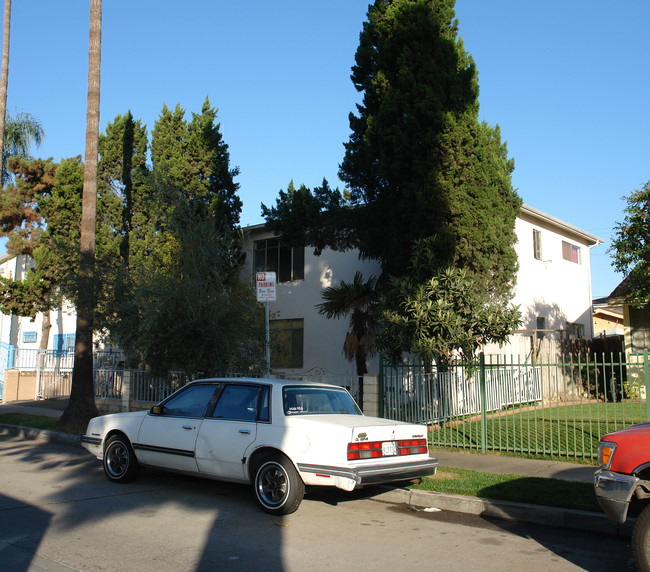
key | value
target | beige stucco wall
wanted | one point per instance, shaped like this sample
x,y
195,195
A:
x,y
19,386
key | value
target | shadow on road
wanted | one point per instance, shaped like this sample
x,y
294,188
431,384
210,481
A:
x,y
176,522
20,537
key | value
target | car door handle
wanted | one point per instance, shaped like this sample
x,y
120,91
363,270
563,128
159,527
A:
x,y
245,431
189,427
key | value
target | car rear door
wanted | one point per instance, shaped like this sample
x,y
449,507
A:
x,y
168,439
230,430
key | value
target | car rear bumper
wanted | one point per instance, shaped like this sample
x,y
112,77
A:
x,y
376,473
614,491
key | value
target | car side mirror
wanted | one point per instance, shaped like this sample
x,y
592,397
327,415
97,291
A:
x,y
157,410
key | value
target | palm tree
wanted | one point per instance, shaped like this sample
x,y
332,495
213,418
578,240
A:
x,y
359,300
4,82
82,396
20,132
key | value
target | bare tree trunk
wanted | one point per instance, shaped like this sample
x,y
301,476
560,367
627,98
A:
x,y
5,72
45,330
82,396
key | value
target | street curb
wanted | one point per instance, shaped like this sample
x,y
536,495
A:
x,y
505,510
56,437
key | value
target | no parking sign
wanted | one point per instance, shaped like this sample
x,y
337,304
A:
x,y
265,286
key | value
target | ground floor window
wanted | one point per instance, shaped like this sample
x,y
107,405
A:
x,y
287,341
575,331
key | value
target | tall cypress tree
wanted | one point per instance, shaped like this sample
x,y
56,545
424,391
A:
x,y
123,172
419,163
182,294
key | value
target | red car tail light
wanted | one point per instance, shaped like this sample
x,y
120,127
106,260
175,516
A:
x,y
412,446
364,450
375,449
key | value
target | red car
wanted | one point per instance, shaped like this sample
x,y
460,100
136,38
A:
x,y
623,484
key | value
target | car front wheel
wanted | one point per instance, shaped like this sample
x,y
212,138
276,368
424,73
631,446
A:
x,y
120,464
641,540
278,486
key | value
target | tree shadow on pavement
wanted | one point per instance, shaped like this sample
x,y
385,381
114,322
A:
x,y
161,521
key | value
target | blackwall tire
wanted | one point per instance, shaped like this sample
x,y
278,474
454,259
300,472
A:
x,y
278,486
120,464
641,540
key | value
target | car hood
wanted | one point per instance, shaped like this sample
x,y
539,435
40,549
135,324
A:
x,y
126,421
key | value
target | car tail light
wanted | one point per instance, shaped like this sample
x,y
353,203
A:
x,y
364,450
377,449
412,446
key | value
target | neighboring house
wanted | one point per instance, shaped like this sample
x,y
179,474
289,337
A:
x,y
608,319
25,333
636,321
553,292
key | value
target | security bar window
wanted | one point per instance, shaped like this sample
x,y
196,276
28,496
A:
x,y
286,261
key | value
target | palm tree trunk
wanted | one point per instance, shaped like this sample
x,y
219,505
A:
x,y
4,82
82,396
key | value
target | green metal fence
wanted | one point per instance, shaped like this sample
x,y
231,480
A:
x,y
556,408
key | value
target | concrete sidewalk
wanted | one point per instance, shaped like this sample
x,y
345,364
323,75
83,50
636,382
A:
x,y
46,407
488,463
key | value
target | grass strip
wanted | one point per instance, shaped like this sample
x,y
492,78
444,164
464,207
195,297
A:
x,y
515,488
24,420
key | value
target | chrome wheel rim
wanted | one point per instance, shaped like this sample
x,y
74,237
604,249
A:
x,y
272,484
117,460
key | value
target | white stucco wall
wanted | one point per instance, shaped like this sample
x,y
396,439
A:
x,y
323,338
554,288
13,328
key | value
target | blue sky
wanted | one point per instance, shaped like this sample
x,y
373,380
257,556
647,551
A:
x,y
567,81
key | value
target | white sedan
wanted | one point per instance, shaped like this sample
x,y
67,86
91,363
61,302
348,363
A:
x,y
279,435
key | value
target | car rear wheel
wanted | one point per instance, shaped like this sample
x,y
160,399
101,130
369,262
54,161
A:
x,y
120,464
641,540
278,486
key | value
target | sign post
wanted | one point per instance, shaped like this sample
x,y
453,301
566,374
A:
x,y
265,282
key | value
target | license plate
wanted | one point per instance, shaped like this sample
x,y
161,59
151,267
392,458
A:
x,y
388,448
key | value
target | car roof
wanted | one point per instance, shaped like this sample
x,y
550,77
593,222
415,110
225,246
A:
x,y
265,380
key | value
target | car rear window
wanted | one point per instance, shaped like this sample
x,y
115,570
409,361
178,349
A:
x,y
305,400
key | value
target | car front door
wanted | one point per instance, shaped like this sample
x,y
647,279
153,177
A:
x,y
167,438
228,432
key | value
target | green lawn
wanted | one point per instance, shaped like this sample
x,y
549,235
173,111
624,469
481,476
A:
x,y
515,488
569,431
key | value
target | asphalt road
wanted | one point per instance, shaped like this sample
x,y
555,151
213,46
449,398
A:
x,y
59,513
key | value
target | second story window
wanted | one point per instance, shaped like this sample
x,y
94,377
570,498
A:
x,y
537,244
288,262
570,252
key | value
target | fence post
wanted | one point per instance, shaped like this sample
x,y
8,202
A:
x,y
646,375
483,406
380,388
126,390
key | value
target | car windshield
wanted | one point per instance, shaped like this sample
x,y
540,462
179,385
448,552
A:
x,y
306,400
